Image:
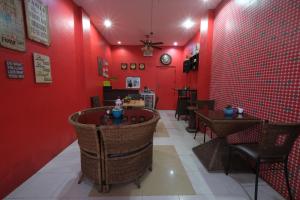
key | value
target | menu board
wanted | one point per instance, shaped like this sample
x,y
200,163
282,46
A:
x,y
42,68
15,70
37,21
12,33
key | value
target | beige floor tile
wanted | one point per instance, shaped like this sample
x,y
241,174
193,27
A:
x,y
161,130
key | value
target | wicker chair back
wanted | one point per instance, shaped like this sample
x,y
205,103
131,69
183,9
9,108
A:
x,y
87,135
125,139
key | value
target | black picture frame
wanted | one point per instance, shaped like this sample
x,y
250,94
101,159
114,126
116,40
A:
x,y
142,66
133,66
124,66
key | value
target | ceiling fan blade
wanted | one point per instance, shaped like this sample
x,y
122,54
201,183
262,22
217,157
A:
x,y
157,43
142,41
155,47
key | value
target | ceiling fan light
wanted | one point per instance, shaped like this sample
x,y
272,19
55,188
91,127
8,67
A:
x,y
188,23
107,23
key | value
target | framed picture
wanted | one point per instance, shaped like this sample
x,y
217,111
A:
x,y
42,68
37,21
132,66
141,66
100,66
123,66
15,70
12,32
133,82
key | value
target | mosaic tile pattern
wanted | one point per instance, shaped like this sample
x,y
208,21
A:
x,y
256,65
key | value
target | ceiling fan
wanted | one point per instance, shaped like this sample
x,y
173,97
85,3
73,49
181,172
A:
x,y
148,44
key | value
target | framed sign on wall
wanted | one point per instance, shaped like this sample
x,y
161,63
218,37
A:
x,y
133,82
15,70
37,21
42,68
12,34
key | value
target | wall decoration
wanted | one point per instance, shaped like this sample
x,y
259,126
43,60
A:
x,y
133,82
132,66
100,66
12,33
141,66
105,68
15,70
42,68
124,66
37,21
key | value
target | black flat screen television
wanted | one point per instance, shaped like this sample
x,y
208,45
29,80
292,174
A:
x,y
186,66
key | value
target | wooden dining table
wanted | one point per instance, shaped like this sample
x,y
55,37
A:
x,y
213,154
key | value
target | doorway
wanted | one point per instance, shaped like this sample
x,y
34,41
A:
x,y
165,88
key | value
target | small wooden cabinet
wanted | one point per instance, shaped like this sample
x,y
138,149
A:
x,y
149,98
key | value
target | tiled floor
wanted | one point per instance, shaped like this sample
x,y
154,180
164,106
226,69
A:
x,y
58,179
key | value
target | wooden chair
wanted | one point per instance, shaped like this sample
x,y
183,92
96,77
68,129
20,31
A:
x,y
182,102
210,105
192,98
89,144
156,102
275,147
95,101
127,151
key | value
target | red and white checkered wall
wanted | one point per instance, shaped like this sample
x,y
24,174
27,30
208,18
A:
x,y
256,65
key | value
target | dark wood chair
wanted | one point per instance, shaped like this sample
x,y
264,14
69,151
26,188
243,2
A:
x,y
95,101
210,105
275,147
192,98
182,103
156,102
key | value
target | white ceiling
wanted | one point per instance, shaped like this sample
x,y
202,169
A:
x,y
131,19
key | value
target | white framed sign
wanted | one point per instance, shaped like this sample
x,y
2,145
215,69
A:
x,y
42,68
133,82
12,34
37,21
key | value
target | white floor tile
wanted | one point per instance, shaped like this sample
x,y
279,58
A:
x,y
160,198
40,186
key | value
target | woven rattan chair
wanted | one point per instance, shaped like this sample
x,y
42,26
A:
x,y
210,105
127,151
89,144
276,144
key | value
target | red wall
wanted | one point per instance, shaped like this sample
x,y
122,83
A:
x,y
255,65
133,54
34,126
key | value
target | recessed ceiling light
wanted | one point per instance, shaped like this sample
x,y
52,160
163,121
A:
x,y
107,23
175,43
188,23
119,42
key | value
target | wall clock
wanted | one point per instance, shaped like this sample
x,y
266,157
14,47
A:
x,y
165,59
